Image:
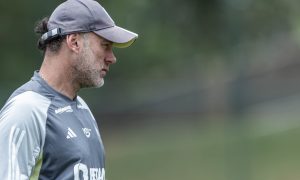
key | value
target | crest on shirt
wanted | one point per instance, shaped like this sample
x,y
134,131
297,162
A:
x,y
87,132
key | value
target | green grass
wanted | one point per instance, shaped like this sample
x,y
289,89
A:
x,y
214,151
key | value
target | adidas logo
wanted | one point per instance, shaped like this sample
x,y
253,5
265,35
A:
x,y
64,109
71,134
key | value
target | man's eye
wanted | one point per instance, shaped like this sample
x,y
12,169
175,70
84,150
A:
x,y
105,45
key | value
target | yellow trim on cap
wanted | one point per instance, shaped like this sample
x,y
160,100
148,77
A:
x,y
124,45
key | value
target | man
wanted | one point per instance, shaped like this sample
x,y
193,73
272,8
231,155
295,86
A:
x,y
46,130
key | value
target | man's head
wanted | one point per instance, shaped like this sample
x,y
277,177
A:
x,y
83,30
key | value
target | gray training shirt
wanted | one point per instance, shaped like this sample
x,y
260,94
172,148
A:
x,y
45,135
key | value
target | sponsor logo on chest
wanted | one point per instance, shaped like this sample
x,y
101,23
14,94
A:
x,y
63,110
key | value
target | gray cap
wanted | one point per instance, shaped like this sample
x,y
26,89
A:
x,y
87,16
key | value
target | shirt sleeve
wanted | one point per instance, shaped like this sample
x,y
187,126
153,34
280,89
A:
x,y
22,134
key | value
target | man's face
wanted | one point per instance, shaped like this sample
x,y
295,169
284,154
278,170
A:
x,y
93,61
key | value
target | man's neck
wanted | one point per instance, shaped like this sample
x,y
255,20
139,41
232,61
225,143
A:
x,y
56,72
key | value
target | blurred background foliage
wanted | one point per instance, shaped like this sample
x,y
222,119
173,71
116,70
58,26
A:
x,y
210,90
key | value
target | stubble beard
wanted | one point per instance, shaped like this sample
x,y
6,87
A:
x,y
86,73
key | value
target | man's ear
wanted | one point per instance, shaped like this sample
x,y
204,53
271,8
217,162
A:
x,y
73,42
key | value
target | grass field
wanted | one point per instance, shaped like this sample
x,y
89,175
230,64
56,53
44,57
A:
x,y
262,149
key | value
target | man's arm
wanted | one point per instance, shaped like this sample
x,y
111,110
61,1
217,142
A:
x,y
22,134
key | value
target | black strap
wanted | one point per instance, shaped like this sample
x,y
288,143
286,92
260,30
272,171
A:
x,y
50,35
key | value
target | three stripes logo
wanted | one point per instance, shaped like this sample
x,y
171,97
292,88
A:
x,y
71,134
16,138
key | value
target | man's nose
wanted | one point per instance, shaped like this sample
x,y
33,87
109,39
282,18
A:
x,y
111,58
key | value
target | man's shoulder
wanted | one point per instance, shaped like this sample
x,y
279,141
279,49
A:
x,y
27,101
27,108
31,85
32,89
29,98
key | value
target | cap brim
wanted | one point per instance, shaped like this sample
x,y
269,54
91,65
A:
x,y
120,37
